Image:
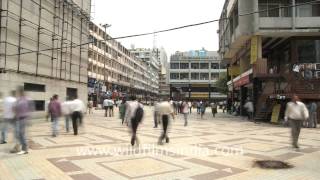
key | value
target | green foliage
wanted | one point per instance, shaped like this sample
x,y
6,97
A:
x,y
221,83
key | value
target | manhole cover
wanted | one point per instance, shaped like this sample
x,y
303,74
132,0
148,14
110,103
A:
x,y
271,164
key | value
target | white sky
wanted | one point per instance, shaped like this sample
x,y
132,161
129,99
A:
x,y
129,17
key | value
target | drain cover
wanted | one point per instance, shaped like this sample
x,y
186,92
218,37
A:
x,y
271,164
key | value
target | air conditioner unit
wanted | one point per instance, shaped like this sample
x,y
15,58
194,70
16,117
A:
x,y
318,66
317,74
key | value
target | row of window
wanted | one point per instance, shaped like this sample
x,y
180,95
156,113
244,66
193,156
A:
x,y
194,76
279,8
194,66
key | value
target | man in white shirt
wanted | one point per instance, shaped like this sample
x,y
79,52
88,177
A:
x,y
77,108
249,108
185,112
67,113
108,106
7,115
165,109
296,112
190,106
130,116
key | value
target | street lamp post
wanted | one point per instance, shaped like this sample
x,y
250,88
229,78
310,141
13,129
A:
x,y
105,26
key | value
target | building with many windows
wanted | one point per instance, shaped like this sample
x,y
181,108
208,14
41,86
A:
x,y
193,75
44,47
272,54
115,71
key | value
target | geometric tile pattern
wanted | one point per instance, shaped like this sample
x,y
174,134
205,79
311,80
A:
x,y
59,158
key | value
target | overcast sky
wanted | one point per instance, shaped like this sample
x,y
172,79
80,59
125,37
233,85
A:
x,y
129,17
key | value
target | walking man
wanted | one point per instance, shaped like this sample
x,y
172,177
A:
x,y
23,110
313,115
165,109
213,109
7,115
134,115
185,112
296,112
65,106
249,108
190,106
77,109
55,112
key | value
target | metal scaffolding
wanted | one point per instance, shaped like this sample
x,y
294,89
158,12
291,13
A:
x,y
44,38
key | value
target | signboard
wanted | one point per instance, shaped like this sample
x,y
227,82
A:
x,y
242,81
275,113
199,53
104,89
254,49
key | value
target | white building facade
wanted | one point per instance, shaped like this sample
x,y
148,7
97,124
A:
x,y
193,75
44,47
115,71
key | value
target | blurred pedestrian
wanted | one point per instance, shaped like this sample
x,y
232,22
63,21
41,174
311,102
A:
x,y
108,106
23,110
65,106
77,108
90,106
122,110
214,107
55,112
313,115
190,106
249,109
185,112
165,109
296,112
47,110
202,109
134,115
155,115
3,123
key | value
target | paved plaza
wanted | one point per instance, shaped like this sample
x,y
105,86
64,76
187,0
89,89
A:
x,y
224,147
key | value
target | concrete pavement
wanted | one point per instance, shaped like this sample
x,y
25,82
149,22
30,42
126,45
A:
x,y
224,147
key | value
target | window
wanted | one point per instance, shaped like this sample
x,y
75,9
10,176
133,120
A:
x,y
194,76
39,105
194,65
204,66
174,66
308,10
214,76
174,76
308,51
184,76
272,8
214,66
184,65
204,76
34,87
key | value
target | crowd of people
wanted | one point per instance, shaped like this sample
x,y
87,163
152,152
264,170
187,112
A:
x,y
16,111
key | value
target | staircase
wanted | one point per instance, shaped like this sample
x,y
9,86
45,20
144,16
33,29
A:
x,y
263,111
298,85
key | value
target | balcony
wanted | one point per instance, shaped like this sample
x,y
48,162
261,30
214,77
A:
x,y
260,70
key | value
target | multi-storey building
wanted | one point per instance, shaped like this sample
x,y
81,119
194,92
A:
x,y
193,75
152,57
114,71
44,47
271,54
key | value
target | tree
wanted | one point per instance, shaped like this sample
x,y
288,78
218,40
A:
x,y
221,83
